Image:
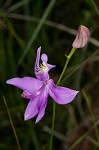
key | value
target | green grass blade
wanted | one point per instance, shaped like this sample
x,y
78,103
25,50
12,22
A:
x,y
2,58
17,5
83,136
95,6
93,141
35,33
91,114
12,125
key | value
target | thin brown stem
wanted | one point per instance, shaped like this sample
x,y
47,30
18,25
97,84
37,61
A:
x,y
12,125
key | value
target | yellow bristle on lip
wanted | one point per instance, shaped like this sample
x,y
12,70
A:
x,y
43,66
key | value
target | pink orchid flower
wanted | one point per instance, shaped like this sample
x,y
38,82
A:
x,y
37,90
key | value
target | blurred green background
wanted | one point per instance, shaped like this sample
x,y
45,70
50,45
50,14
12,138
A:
x,y
24,26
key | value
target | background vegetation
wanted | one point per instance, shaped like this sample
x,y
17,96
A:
x,y
24,26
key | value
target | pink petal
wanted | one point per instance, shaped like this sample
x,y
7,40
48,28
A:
x,y
27,83
41,113
36,67
38,56
42,105
50,66
31,109
60,94
37,105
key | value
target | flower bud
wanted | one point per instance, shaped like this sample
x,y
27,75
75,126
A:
x,y
82,37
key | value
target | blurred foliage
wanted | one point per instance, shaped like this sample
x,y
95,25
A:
x,y
19,22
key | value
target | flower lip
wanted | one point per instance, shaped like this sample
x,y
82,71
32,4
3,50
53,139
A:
x,y
41,71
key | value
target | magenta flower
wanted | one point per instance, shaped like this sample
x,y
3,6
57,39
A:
x,y
37,90
82,37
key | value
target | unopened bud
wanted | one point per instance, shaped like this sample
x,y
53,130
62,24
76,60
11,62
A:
x,y
82,37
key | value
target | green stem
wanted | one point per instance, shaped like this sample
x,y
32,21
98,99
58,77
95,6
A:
x,y
66,64
91,114
54,104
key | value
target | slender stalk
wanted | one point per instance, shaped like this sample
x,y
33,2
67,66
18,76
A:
x,y
91,114
17,141
54,104
66,63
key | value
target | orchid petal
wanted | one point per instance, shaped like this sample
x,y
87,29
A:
x,y
41,113
43,98
50,66
31,109
27,83
60,94
44,57
37,104
38,57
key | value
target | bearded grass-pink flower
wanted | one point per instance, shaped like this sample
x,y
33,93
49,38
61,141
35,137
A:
x,y
37,90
